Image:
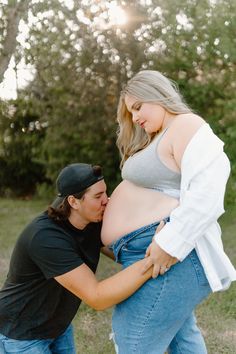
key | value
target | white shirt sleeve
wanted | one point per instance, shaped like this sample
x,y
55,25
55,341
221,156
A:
x,y
201,204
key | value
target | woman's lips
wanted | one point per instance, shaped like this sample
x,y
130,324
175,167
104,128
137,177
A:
x,y
142,124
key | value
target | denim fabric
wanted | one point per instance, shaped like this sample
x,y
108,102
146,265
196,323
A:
x,y
64,344
159,316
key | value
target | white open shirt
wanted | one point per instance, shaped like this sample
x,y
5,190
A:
x,y
205,170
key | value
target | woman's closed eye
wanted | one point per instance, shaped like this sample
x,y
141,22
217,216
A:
x,y
137,106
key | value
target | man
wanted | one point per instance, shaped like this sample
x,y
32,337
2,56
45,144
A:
x,y
52,268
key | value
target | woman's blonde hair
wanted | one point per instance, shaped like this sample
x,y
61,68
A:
x,y
147,86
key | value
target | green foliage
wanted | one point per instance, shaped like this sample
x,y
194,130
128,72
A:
x,y
81,60
21,136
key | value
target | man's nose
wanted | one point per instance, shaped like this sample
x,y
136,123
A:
x,y
105,199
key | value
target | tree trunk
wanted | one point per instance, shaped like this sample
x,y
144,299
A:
x,y
15,12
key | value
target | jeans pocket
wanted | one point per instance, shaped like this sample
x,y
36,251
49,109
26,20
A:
x,y
200,273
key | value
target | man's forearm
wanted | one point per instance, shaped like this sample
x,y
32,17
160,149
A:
x,y
117,288
108,292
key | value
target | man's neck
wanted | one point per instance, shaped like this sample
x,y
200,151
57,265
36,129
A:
x,y
77,221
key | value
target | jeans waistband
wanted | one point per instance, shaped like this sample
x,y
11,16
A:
x,y
117,245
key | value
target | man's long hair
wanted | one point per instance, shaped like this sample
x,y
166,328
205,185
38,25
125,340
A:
x,y
63,210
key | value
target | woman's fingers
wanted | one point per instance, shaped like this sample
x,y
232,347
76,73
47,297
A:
x,y
160,226
148,264
156,270
163,269
148,251
157,257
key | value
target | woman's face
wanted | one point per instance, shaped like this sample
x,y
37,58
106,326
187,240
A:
x,y
149,116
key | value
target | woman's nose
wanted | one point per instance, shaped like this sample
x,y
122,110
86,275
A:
x,y
135,117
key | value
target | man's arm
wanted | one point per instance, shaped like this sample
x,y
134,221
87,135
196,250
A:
x,y
82,282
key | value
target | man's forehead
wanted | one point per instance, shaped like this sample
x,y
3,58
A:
x,y
97,188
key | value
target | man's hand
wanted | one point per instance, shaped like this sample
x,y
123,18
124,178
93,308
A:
x,y
157,257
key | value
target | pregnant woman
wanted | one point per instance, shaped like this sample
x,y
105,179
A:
x,y
173,169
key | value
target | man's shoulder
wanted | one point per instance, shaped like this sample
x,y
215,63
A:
x,y
42,226
40,221
45,222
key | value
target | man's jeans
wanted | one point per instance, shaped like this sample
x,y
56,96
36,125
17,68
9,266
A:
x,y
64,344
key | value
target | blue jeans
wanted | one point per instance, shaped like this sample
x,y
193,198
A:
x,y
64,344
159,316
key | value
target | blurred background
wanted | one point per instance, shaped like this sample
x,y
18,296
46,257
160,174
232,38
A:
x,y
63,64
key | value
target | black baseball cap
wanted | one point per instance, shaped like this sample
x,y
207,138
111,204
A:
x,y
74,179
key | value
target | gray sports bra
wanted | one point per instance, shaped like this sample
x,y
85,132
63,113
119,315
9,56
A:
x,y
145,169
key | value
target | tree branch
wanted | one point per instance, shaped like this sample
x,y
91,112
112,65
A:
x,y
15,12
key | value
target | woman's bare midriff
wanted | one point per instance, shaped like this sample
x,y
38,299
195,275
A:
x,y
131,207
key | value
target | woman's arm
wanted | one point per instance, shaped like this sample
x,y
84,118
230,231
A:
x,y
82,282
202,204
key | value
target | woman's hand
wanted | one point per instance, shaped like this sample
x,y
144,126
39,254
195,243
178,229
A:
x,y
158,258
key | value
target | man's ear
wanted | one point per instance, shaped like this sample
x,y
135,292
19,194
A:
x,y
74,202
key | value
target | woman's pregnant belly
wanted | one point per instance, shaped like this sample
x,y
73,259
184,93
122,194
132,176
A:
x,y
131,207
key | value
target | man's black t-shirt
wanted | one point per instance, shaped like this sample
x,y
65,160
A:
x,y
33,305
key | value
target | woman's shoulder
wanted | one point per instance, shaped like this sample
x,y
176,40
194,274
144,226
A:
x,y
188,121
185,126
182,130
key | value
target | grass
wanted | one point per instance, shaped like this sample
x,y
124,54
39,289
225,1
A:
x,y
216,316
